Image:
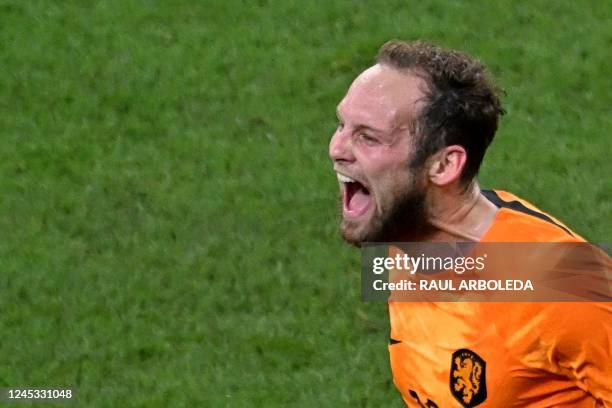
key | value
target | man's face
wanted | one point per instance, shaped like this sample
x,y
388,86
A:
x,y
382,199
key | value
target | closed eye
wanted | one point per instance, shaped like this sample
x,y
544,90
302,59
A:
x,y
367,139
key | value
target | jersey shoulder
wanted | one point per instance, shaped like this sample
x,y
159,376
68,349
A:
x,y
520,221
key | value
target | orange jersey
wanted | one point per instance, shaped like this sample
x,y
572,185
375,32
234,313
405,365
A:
x,y
504,354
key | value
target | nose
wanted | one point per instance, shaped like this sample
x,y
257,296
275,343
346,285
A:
x,y
340,148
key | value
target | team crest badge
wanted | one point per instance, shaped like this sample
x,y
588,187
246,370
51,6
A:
x,y
468,381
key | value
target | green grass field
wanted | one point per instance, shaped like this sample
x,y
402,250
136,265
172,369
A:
x,y
167,206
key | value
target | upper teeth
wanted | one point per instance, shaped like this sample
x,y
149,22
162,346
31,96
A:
x,y
344,179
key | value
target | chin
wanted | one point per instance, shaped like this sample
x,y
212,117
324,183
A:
x,y
356,232
354,235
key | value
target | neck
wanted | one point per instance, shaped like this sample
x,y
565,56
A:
x,y
460,215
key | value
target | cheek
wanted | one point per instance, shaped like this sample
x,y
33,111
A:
x,y
385,169
380,164
390,185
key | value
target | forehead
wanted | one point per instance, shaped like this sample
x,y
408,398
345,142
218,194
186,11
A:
x,y
382,97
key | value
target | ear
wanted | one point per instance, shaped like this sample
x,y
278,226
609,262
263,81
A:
x,y
447,165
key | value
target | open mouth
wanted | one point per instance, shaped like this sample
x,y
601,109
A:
x,y
356,198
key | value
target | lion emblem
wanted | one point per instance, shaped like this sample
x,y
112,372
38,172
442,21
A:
x,y
467,378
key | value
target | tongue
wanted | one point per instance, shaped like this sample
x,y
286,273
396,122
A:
x,y
359,200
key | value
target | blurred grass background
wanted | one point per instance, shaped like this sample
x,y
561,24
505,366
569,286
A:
x,y
167,206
